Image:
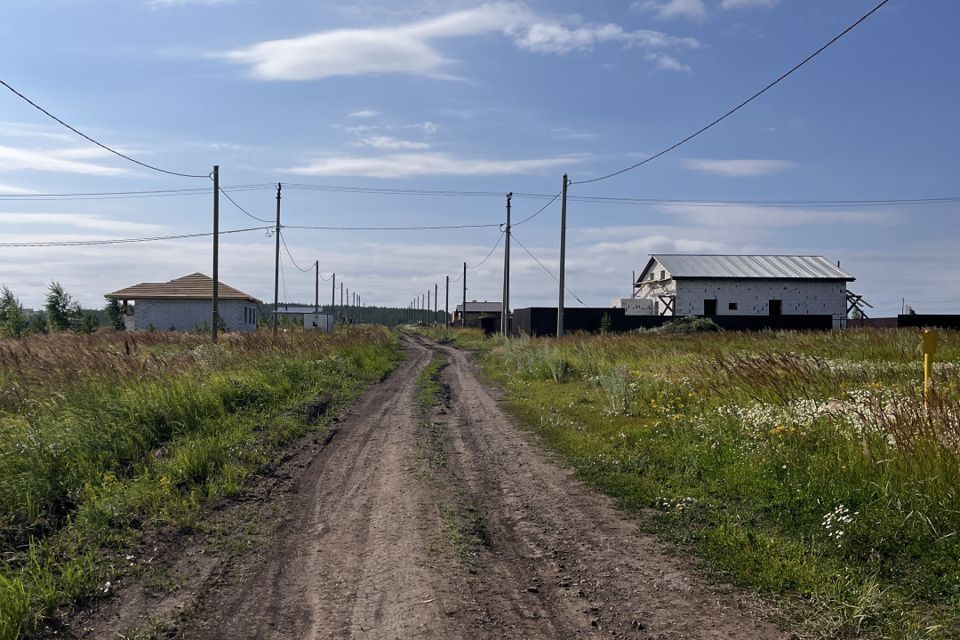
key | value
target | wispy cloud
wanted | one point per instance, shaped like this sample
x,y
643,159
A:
x,y
755,217
57,160
411,49
743,168
666,9
749,4
403,165
667,62
390,143
364,113
180,3
78,221
14,190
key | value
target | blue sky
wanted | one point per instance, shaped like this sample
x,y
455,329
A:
x,y
472,96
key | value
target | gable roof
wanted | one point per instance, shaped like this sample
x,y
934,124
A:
x,y
481,307
749,267
195,286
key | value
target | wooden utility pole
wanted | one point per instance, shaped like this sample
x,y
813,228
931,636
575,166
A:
x,y
215,314
463,312
563,254
276,267
446,305
505,307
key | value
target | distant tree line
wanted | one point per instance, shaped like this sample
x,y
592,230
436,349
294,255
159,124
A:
x,y
61,313
385,316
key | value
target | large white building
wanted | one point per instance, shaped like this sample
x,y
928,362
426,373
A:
x,y
711,285
185,304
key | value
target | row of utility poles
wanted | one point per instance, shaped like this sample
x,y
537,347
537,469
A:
x,y
346,305
421,302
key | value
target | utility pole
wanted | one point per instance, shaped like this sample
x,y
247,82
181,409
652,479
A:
x,y
341,299
316,289
276,266
428,307
215,315
633,285
436,302
446,305
347,314
463,312
563,254
505,307
333,296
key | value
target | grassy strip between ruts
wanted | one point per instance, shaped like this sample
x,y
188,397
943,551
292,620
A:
x,y
85,470
800,465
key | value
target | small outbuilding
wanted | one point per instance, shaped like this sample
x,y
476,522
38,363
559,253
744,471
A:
x,y
476,312
745,285
185,304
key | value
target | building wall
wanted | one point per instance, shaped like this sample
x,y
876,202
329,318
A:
x,y
186,315
799,297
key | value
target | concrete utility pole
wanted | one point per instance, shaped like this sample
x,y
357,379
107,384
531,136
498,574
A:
x,y
316,289
333,296
446,305
428,307
436,303
563,254
341,300
347,314
215,315
276,266
505,307
463,312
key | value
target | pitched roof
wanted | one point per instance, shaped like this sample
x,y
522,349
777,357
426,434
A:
x,y
195,286
751,267
481,307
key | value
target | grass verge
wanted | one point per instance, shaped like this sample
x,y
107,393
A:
x,y
99,454
803,466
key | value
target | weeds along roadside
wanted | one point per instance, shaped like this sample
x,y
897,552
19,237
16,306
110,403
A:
x,y
168,425
800,465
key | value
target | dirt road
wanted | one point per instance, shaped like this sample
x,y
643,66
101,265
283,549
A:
x,y
458,527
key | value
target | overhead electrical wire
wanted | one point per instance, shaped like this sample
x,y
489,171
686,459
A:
x,y
732,111
544,267
123,195
481,263
90,243
242,210
283,241
542,209
416,228
97,142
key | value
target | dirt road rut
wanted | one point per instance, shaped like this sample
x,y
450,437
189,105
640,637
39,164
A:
x,y
483,537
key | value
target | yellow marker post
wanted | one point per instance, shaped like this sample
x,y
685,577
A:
x,y
930,339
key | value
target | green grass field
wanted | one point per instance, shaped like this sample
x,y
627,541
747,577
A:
x,y
803,466
103,437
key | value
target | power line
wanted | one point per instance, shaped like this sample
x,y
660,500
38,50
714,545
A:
x,y
89,243
122,195
481,263
756,95
99,144
542,266
420,228
283,241
542,209
242,210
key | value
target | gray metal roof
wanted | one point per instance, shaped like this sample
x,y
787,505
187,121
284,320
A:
x,y
296,310
753,267
481,307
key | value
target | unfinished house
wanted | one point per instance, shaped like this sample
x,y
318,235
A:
x,y
725,285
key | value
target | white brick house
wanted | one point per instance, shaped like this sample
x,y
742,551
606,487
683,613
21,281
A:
x,y
185,304
710,285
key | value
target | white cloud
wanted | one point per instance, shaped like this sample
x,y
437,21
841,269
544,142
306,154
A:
x,y
666,62
10,189
57,160
364,113
77,220
180,3
402,165
390,143
749,4
410,48
738,168
756,217
666,9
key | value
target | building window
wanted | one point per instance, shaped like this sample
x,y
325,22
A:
x,y
732,306
663,274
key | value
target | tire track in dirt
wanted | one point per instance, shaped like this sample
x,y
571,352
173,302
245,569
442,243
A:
x,y
357,557
594,574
